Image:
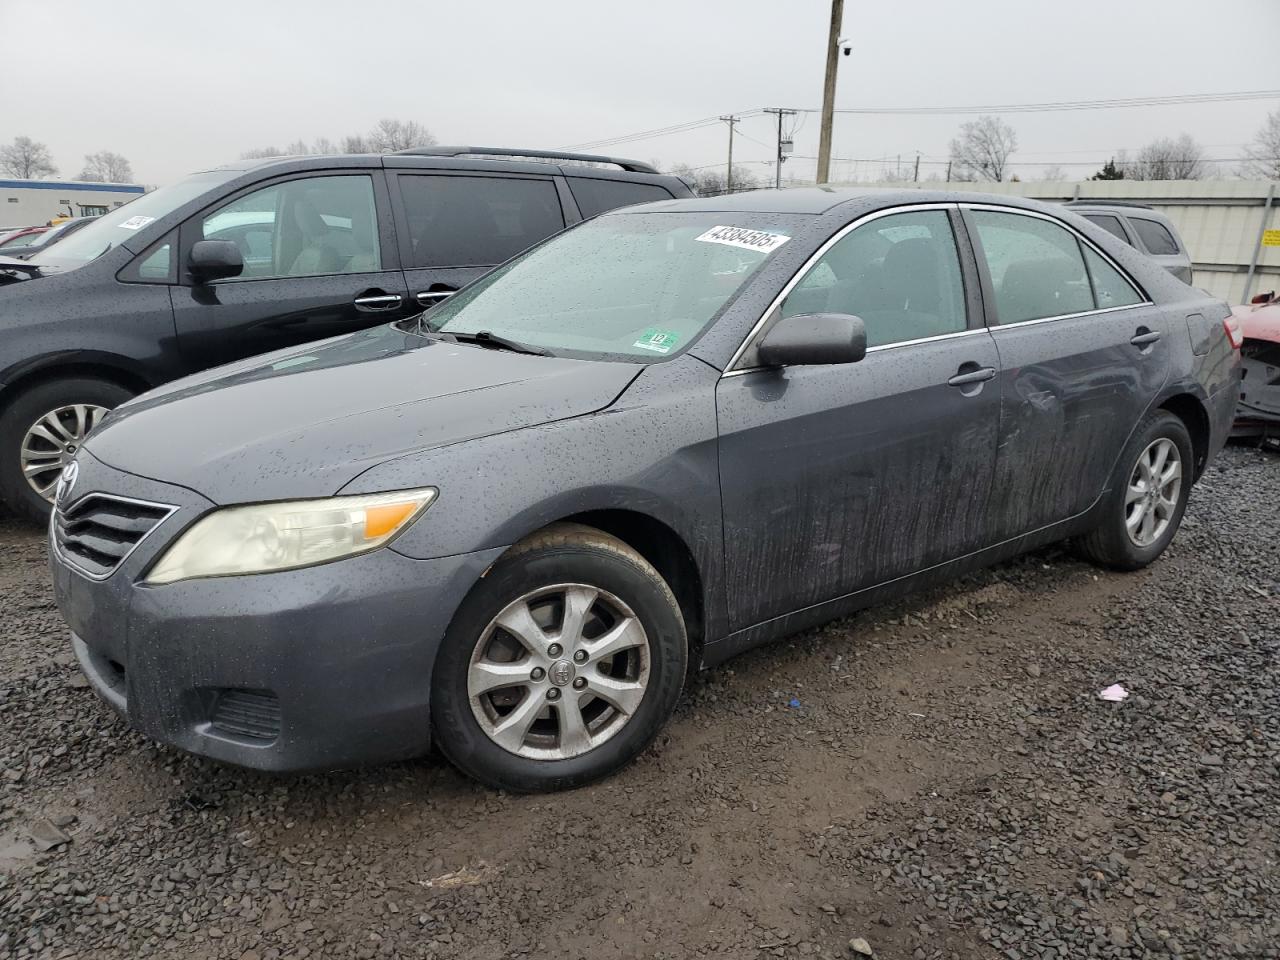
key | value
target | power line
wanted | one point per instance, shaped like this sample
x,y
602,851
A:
x,y
1066,104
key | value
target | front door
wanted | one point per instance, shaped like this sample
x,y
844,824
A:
x,y
319,261
1082,356
836,478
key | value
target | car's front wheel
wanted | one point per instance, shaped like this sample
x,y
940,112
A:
x,y
1145,506
41,429
561,665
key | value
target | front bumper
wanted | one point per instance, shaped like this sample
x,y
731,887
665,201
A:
x,y
323,667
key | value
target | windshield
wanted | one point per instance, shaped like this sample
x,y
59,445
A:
x,y
626,286
113,228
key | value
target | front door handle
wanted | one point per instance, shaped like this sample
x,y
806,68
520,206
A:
x,y
375,301
429,298
1144,337
971,373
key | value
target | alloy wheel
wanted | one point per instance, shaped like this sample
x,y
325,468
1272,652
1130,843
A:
x,y
51,442
1151,499
559,671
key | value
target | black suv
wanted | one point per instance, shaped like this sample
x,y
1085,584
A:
x,y
261,255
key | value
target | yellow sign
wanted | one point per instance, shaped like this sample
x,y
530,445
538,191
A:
x,y
1271,238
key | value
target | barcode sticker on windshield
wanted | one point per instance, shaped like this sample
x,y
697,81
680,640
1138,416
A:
x,y
742,237
135,223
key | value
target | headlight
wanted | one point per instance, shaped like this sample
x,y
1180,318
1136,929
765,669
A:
x,y
284,536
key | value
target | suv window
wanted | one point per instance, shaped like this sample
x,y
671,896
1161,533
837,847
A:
x,y
1110,288
1108,223
476,221
597,196
900,274
1036,267
300,228
1155,237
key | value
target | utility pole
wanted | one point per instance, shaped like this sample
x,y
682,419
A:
x,y
916,176
829,91
728,171
777,181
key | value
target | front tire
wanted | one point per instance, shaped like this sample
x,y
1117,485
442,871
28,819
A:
x,y
561,665
41,429
1148,498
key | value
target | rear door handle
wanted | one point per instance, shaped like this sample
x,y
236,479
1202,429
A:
x,y
378,301
429,298
1144,337
979,375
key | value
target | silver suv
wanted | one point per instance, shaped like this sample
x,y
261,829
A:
x,y
1142,228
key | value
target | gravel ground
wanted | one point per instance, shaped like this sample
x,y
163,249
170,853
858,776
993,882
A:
x,y
949,786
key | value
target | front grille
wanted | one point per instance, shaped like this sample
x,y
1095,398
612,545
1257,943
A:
x,y
98,531
251,714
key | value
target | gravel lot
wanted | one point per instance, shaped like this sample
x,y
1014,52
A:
x,y
949,786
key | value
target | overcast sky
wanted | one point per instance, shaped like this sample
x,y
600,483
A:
x,y
176,86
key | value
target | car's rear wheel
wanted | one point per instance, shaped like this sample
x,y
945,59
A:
x,y
561,665
41,430
1148,498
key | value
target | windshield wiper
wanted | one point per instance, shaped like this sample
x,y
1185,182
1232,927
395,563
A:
x,y
488,339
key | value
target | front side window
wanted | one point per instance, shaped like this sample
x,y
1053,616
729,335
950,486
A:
x,y
1155,237
1036,267
302,228
900,274
626,286
476,221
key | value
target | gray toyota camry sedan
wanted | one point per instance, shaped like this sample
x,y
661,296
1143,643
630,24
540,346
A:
x,y
515,524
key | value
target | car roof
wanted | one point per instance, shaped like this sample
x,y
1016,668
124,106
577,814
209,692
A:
x,y
819,200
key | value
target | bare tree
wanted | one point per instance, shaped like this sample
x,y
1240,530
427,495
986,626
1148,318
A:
x,y
392,135
710,181
258,153
357,143
27,160
1262,157
1054,172
1169,159
982,150
106,167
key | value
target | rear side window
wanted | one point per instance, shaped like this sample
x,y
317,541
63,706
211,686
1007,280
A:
x,y
1036,267
1110,288
476,221
1108,223
1155,236
597,196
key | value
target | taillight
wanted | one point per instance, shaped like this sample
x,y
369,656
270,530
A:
x,y
1234,335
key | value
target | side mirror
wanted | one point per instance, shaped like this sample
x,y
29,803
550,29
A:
x,y
1264,297
811,339
214,260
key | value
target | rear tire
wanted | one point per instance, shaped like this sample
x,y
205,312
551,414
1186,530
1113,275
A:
x,y
1148,496
562,664
26,411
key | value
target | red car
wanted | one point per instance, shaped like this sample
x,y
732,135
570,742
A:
x,y
19,238
1258,414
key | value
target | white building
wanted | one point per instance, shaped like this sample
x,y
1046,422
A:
x,y
28,203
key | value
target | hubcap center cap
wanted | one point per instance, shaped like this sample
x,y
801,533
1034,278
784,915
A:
x,y
561,673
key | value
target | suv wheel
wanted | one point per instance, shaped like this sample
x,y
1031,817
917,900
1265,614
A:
x,y
561,665
1148,499
41,430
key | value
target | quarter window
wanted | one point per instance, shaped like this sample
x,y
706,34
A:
x,y
1155,237
899,273
597,196
300,228
1110,288
155,265
1108,223
476,221
1036,267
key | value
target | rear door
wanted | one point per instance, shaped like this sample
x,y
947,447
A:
x,y
1083,354
455,227
319,260
836,478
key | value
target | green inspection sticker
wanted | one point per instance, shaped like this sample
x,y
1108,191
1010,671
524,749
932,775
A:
x,y
659,341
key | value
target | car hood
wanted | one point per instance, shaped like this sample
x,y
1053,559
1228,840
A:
x,y
306,421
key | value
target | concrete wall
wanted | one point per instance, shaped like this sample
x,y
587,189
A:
x,y
29,203
1220,221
